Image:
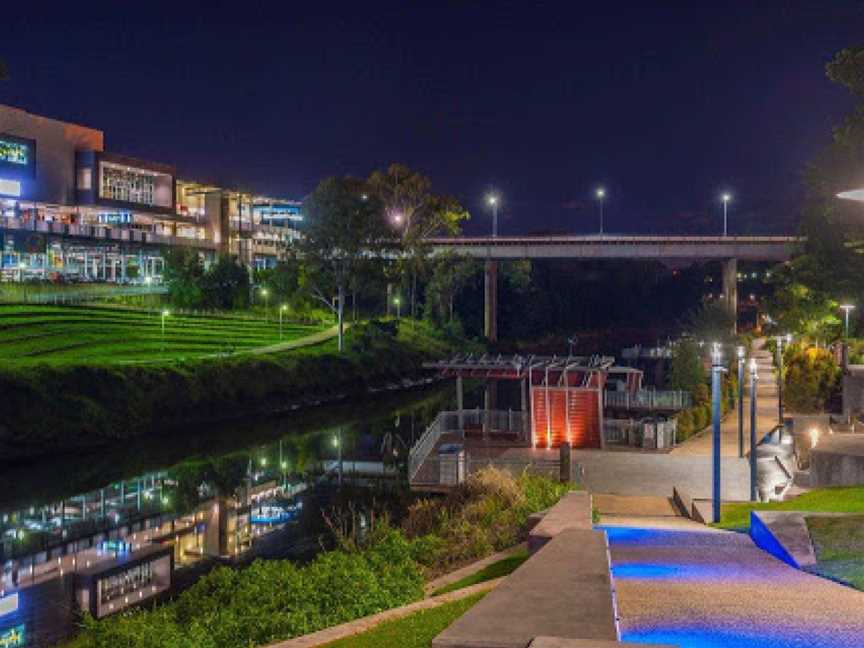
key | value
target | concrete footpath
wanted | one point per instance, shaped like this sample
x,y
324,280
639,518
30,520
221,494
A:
x,y
766,412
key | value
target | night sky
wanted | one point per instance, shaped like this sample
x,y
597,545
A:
x,y
665,104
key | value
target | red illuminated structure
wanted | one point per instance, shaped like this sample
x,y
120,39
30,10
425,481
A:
x,y
562,397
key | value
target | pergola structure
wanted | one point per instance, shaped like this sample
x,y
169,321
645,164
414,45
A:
x,y
562,396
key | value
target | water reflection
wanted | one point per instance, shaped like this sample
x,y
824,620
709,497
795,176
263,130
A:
x,y
220,493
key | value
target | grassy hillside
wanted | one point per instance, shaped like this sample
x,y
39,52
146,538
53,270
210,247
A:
x,y
64,335
63,406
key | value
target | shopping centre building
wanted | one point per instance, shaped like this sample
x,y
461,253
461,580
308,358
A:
x,y
69,209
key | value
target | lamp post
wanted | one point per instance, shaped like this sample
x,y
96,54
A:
x,y
725,198
492,200
282,310
754,379
398,303
846,308
780,339
265,294
740,351
601,194
716,379
165,313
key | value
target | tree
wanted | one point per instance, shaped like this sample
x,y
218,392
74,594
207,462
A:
x,y
450,273
415,213
711,322
225,285
345,229
285,282
182,275
687,372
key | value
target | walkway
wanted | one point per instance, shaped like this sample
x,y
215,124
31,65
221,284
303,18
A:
x,y
766,413
707,589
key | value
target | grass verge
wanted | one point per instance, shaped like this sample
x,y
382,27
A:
x,y
736,517
839,545
497,569
413,631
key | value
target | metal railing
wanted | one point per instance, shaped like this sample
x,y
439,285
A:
x,y
647,434
449,421
452,470
648,399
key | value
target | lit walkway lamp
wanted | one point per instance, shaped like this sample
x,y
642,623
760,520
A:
x,y
725,198
165,313
754,379
780,339
282,310
740,351
398,303
716,395
265,294
601,195
846,308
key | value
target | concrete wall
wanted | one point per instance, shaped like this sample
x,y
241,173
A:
x,y
56,144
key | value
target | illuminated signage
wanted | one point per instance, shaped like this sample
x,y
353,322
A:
x,y
13,637
14,152
116,546
9,604
10,188
116,218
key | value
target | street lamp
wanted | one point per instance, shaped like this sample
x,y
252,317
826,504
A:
x,y
716,394
741,352
398,303
846,308
165,313
282,310
780,340
601,194
265,293
754,379
725,198
492,200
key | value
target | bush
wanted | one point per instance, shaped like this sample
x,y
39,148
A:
x,y
810,378
373,335
489,512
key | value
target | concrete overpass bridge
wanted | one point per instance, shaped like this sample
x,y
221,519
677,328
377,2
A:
x,y
727,249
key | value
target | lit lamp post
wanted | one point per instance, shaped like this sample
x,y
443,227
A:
x,y
165,313
337,442
740,351
754,379
601,194
398,304
725,198
780,339
716,379
282,310
492,200
265,294
846,308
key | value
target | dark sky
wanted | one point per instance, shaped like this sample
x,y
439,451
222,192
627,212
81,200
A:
x,y
666,104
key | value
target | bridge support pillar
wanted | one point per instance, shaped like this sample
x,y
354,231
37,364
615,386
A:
x,y
730,290
490,297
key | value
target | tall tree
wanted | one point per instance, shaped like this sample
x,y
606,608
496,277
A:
x,y
415,213
345,229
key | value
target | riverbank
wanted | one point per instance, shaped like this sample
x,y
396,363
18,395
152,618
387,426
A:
x,y
50,409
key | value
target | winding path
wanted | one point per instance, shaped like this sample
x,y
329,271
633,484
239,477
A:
x,y
710,589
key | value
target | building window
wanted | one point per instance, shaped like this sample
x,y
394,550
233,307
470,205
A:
x,y
127,185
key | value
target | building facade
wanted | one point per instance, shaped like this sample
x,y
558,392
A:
x,y
70,210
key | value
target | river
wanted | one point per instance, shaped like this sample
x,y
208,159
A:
x,y
343,462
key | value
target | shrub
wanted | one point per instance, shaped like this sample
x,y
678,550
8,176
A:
x,y
809,380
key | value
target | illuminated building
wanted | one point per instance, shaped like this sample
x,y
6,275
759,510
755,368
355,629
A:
x,y
71,209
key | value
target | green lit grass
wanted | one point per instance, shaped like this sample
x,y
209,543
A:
x,y
821,500
414,631
61,335
497,569
839,545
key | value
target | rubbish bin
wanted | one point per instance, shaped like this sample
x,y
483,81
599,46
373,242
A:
x,y
451,464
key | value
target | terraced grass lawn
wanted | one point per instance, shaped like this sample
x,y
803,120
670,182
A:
x,y
503,567
98,335
820,500
414,631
